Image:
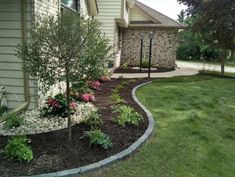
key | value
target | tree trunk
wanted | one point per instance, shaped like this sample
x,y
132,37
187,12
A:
x,y
68,103
69,111
222,60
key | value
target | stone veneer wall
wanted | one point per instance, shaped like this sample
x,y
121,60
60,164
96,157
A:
x,y
163,48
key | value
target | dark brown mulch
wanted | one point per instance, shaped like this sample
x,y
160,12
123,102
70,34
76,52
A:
x,y
131,70
52,152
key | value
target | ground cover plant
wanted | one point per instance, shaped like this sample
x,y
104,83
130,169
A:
x,y
194,130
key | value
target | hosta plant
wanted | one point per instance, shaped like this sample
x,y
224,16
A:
x,y
94,120
126,115
18,148
99,138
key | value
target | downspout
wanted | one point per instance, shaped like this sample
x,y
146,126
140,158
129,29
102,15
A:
x,y
25,74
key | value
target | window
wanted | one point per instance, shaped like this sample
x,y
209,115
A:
x,y
71,4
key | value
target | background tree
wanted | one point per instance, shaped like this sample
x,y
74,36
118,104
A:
x,y
181,17
58,51
216,18
192,45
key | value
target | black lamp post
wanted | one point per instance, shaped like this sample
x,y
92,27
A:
x,y
141,50
150,52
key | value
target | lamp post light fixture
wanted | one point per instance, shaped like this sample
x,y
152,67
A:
x,y
151,35
141,50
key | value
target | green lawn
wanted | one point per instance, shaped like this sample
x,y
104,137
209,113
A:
x,y
218,73
194,130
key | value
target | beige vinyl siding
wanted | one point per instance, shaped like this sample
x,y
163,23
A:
x,y
46,7
11,72
138,15
108,12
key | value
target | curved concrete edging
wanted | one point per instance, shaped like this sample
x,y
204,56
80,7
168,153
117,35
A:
x,y
110,160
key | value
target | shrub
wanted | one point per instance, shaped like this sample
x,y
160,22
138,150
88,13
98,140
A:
x,y
98,138
117,98
145,63
12,120
17,148
3,109
126,115
80,87
94,120
121,77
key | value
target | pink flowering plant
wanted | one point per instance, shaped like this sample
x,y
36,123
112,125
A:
x,y
88,97
57,106
94,85
105,79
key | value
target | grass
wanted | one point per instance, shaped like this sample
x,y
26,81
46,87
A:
x,y
194,130
218,73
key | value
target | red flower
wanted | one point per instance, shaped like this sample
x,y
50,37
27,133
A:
x,y
53,103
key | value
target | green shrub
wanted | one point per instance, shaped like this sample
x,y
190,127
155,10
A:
x,y
3,110
98,138
117,98
12,120
121,77
145,63
94,120
126,115
17,148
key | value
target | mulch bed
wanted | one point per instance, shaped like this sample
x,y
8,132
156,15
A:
x,y
131,70
52,153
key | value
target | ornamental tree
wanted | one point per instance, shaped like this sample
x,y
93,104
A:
x,y
216,19
64,48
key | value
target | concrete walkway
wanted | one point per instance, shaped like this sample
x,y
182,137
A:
x,y
177,72
200,66
183,69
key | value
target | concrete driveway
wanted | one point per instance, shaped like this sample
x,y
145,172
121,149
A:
x,y
200,66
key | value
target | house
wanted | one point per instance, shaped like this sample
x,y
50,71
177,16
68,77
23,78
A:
x,y
123,22
16,19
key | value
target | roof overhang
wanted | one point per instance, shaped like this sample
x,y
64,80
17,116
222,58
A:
x,y
93,9
155,26
121,22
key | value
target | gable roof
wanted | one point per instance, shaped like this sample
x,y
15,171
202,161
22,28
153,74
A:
x,y
161,19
